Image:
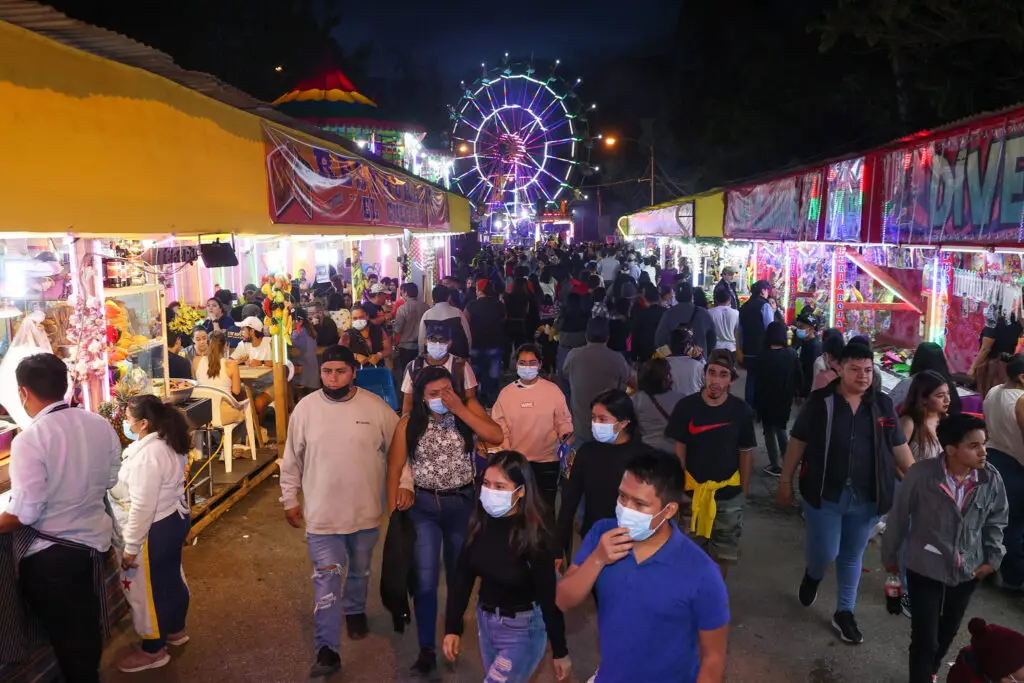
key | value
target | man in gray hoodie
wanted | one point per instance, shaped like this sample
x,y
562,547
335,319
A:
x,y
950,513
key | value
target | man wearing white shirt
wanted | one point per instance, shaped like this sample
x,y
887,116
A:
x,y
61,467
254,349
726,320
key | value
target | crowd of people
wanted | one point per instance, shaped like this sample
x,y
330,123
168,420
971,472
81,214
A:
x,y
619,423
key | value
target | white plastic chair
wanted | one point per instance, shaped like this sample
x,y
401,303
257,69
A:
x,y
217,396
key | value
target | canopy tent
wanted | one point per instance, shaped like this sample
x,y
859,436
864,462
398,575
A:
x,y
99,148
331,101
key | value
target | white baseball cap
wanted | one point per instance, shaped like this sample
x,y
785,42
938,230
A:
x,y
252,322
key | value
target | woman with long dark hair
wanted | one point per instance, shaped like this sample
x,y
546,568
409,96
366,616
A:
x,y
927,356
927,402
599,464
511,549
436,439
152,518
654,402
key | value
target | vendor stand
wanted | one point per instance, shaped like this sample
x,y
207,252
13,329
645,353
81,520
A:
x,y
124,179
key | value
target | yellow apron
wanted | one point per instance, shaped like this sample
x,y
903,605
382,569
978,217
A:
x,y
704,509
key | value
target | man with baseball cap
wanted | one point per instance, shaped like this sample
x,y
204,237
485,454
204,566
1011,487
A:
x,y
375,303
715,440
727,284
250,295
255,350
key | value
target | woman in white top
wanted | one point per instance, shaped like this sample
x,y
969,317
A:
x,y
216,370
1004,419
927,402
152,518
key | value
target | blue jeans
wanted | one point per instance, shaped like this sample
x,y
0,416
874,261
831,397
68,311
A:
x,y
839,532
438,521
1012,473
511,647
486,364
331,554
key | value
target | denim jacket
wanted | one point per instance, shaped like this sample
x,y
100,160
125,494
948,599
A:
x,y
944,542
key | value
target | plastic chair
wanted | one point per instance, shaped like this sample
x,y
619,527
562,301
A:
x,y
217,397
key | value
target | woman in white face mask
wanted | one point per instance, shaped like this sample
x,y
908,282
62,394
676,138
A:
x,y
599,464
369,343
511,549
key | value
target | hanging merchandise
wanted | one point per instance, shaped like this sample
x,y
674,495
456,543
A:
x,y
29,340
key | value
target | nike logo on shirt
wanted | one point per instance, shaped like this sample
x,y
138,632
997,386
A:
x,y
694,429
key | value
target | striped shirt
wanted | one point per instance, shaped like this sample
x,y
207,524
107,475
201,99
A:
x,y
958,489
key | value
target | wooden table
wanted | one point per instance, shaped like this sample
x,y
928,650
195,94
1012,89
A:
x,y
249,375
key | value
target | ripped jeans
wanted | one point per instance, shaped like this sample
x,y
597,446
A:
x,y
332,555
511,646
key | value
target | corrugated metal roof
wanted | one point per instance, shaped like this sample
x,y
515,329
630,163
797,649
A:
x,y
56,25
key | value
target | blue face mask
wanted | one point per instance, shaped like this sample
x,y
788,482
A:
x,y
438,406
801,333
526,372
603,432
497,503
637,523
128,433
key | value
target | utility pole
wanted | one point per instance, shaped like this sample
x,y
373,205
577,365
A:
x,y
652,171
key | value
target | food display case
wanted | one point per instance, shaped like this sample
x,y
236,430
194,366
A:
x,y
137,340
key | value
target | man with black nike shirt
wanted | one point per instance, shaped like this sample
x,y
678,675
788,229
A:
x,y
714,435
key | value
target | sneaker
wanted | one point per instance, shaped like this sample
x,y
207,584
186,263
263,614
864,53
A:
x,y
905,605
327,663
355,625
178,639
772,471
846,625
137,660
808,590
426,663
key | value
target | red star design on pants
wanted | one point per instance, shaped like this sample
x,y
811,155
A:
x,y
127,583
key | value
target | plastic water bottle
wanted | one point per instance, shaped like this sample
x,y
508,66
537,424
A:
x,y
893,594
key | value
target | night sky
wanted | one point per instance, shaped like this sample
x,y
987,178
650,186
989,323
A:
x,y
461,33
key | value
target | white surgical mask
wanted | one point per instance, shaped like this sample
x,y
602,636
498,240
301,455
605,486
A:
x,y
497,503
437,405
437,350
637,523
359,324
603,432
527,372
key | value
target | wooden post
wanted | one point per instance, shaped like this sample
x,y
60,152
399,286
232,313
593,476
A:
x,y
281,387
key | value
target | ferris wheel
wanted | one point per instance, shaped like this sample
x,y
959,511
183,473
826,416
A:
x,y
520,140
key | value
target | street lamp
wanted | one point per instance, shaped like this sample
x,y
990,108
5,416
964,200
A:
x,y
610,141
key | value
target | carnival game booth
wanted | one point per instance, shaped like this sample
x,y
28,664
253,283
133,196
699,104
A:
x,y
681,234
954,194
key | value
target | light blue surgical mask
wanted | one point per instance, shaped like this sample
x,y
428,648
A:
x,y
527,372
801,333
128,433
603,432
497,503
437,350
637,523
438,406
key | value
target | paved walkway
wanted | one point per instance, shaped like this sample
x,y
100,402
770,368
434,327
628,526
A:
x,y
251,616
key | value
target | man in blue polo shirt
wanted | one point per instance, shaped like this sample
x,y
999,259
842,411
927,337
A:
x,y
662,607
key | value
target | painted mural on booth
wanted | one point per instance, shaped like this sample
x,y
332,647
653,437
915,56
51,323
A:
x,y
968,187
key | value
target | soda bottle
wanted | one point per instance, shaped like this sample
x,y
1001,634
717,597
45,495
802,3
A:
x,y
893,593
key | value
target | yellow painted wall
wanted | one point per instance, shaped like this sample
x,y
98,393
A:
x,y
709,214
97,148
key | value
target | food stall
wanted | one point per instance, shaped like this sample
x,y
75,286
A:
x,y
74,233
